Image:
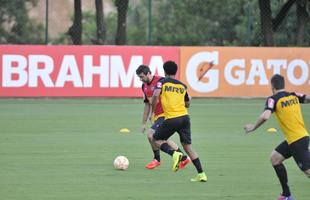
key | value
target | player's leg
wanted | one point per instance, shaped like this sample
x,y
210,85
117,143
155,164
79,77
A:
x,y
160,137
277,157
156,152
301,154
162,134
201,176
185,139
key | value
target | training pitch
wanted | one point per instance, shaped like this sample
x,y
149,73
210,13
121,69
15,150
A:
x,y
64,149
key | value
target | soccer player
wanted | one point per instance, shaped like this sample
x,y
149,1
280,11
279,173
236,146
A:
x,y
175,101
286,106
148,86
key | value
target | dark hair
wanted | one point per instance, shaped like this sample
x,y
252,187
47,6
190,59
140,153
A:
x,y
143,69
277,82
170,67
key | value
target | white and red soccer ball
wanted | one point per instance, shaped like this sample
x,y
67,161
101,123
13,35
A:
x,y
121,163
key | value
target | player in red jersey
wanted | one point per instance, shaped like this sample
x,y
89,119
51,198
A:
x,y
148,86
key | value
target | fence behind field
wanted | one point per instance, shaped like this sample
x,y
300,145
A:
x,y
154,22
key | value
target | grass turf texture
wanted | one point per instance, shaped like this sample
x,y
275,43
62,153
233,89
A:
x,y
64,149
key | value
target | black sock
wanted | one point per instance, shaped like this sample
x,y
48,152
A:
x,y
282,175
156,155
197,164
166,148
184,157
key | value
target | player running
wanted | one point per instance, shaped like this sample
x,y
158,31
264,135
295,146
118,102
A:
x,y
148,86
286,107
175,101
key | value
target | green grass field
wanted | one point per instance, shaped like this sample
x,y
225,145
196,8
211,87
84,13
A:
x,y
54,149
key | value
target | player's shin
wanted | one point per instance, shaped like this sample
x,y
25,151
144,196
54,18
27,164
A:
x,y
166,148
197,164
282,175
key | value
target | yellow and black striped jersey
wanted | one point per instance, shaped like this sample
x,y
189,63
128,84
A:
x,y
173,96
286,106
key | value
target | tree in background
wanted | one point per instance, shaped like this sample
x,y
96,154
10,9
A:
x,y
75,31
302,21
266,22
101,28
15,25
122,8
186,22
270,25
189,22
238,23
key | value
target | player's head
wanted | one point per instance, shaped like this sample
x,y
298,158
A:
x,y
144,73
277,82
170,68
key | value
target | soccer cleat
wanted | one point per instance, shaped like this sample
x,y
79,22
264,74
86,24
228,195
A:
x,y
201,177
177,156
281,197
151,165
184,163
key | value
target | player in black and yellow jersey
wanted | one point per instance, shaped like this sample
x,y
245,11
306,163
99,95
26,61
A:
x,y
175,100
148,87
286,107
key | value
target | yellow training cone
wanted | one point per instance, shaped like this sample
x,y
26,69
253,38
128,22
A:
x,y
124,130
271,130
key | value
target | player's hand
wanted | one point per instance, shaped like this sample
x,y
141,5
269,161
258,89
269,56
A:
x,y
249,128
143,127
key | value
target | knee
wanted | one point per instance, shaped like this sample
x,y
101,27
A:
x,y
150,136
154,141
274,161
276,158
186,148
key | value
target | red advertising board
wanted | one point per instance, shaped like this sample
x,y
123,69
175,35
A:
x,y
78,71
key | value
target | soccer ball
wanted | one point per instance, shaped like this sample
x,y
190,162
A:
x,y
121,163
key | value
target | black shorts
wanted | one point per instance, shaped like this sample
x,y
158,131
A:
x,y
157,123
181,125
299,151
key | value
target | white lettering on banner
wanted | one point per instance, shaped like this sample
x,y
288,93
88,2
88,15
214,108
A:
x,y
14,64
257,70
111,71
90,70
235,72
118,73
69,72
44,73
239,77
156,65
276,64
212,75
304,72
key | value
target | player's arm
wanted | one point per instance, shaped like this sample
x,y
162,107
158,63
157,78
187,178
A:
x,y
146,112
155,98
156,94
303,98
187,100
260,120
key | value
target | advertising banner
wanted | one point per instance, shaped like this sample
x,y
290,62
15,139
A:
x,y
78,71
243,71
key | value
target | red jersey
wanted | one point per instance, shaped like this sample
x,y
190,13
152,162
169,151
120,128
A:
x,y
148,90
